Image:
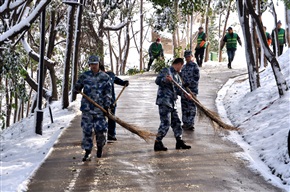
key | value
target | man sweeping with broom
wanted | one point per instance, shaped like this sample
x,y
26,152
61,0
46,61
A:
x,y
190,77
98,87
166,101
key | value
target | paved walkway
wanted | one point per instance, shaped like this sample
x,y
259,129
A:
x,y
130,164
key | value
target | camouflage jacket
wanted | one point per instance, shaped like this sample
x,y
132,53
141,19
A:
x,y
98,87
167,91
190,76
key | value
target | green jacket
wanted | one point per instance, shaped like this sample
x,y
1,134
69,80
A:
x,y
281,36
201,37
231,40
155,50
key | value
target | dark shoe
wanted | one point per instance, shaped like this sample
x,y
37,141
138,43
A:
x,y
229,66
87,155
180,144
99,152
188,127
158,146
112,138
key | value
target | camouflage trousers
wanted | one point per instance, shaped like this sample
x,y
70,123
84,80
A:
x,y
97,123
168,117
188,111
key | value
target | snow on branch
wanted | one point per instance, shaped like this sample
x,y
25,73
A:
x,y
117,27
25,23
33,54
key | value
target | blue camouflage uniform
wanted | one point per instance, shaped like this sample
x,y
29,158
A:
x,y
98,88
166,100
190,77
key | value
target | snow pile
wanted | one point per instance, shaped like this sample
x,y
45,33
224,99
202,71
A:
x,y
23,151
264,119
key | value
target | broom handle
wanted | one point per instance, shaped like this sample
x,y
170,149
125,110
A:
x,y
92,101
181,88
119,95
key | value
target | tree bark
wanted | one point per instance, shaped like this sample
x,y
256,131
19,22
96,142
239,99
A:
x,y
141,37
206,30
174,41
126,48
49,53
280,80
244,21
287,12
69,43
76,49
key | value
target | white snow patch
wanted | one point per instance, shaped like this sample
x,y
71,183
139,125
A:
x,y
263,119
23,151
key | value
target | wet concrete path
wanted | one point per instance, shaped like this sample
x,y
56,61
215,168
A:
x,y
130,164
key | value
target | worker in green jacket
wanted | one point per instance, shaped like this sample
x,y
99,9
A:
x,y
200,46
281,39
155,51
231,39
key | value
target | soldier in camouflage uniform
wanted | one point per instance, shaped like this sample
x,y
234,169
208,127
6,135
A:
x,y
190,77
97,86
166,100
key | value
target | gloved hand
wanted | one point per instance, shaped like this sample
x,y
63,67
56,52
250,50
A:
x,y
285,44
185,85
126,83
108,110
77,89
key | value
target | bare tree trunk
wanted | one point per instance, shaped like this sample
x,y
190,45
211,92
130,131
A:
x,y
126,47
191,32
51,40
174,41
224,30
280,80
244,20
254,39
111,50
188,31
69,41
141,36
8,104
28,103
206,30
76,49
287,12
16,105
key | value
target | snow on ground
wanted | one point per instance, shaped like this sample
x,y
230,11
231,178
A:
x,y
22,151
264,121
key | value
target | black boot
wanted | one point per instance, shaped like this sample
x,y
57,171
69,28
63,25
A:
x,y
158,146
99,151
87,155
229,65
180,144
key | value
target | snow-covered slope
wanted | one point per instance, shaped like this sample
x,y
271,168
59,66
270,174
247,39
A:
x,y
264,121
22,151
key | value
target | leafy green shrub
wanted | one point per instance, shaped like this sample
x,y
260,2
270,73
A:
x,y
160,64
134,71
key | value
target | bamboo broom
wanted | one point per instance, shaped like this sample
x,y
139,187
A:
x,y
210,114
146,135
